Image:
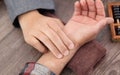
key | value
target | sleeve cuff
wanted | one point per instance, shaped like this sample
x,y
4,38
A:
x,y
18,7
41,70
32,68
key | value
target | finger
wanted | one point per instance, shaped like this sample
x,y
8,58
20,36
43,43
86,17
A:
x,y
100,9
98,18
104,22
84,7
77,8
45,40
92,9
61,34
60,25
56,41
36,44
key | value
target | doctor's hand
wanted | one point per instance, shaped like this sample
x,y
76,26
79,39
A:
x,y
44,32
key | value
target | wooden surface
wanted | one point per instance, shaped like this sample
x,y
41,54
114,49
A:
x,y
14,52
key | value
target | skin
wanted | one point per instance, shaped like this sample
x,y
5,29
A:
x,y
88,19
41,32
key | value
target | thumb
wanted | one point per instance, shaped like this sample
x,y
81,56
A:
x,y
104,22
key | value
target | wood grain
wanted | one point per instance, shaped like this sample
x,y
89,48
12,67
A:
x,y
14,52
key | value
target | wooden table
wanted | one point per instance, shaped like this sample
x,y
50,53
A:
x,y
14,52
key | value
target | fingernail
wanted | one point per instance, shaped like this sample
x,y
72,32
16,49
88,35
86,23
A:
x,y
59,56
71,46
66,53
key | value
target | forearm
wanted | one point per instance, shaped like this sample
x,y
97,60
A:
x,y
54,64
57,65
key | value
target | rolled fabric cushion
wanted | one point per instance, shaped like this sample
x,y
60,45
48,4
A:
x,y
86,58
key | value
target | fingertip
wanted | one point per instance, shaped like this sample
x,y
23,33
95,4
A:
x,y
71,46
77,8
83,2
45,51
66,53
99,3
42,50
109,20
59,56
77,3
98,0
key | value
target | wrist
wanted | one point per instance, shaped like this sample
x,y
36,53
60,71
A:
x,y
74,34
50,62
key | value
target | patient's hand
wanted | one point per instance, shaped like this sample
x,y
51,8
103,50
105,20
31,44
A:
x,y
81,28
88,19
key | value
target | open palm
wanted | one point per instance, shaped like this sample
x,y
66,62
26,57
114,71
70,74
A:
x,y
88,19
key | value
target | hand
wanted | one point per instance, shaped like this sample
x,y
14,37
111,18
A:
x,y
81,28
88,19
38,30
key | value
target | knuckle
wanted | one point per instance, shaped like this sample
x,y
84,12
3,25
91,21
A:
x,y
45,39
27,40
34,43
58,30
76,42
50,20
57,20
43,50
53,22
